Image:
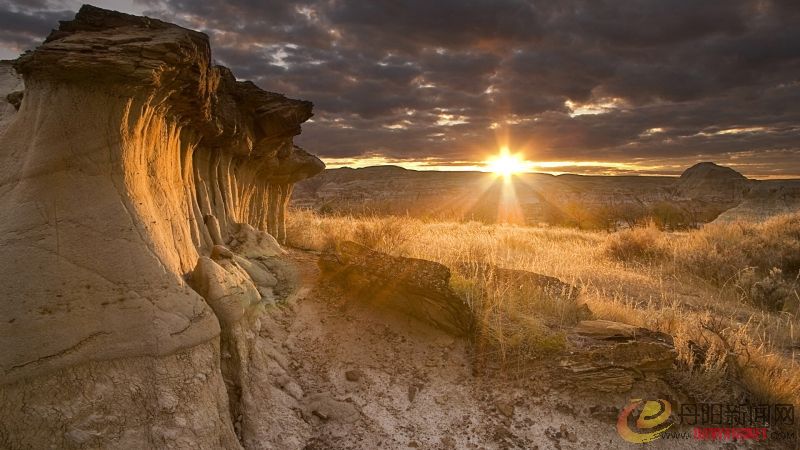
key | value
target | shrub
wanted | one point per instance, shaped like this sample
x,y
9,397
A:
x,y
772,292
389,235
639,244
761,260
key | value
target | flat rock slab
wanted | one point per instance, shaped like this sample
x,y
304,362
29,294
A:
x,y
612,356
415,287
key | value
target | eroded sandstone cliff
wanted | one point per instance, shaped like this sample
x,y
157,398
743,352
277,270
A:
x,y
130,157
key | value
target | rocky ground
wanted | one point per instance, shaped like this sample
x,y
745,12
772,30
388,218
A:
x,y
369,378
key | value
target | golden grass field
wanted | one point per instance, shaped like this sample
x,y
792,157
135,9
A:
x,y
727,293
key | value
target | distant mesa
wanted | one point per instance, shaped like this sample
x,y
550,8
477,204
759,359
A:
x,y
710,170
710,182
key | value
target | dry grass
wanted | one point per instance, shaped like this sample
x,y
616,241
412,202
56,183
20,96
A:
x,y
636,244
721,289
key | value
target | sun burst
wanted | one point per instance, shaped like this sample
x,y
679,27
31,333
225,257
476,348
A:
x,y
506,163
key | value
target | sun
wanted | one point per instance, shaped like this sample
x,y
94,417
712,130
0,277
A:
x,y
506,163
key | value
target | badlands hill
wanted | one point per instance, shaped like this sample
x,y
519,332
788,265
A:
x,y
699,195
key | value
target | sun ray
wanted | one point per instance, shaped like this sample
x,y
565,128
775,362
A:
x,y
506,163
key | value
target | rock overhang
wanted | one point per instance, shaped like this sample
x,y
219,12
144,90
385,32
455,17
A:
x,y
135,55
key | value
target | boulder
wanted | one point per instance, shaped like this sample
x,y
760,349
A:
x,y
611,356
226,287
258,273
416,287
252,243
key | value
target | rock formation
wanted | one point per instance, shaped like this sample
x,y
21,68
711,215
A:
x,y
612,356
131,162
709,182
416,287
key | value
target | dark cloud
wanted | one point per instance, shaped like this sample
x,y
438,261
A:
x,y
655,82
23,24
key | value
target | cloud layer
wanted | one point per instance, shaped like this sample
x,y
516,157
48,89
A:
x,y
658,83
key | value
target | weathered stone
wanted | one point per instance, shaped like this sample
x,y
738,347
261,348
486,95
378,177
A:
x,y
505,408
606,329
221,252
259,274
139,175
415,287
325,408
226,287
212,224
252,243
611,356
353,375
131,155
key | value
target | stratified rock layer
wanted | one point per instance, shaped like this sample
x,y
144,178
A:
x,y
130,158
613,356
416,287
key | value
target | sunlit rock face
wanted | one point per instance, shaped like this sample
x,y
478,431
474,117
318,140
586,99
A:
x,y
130,156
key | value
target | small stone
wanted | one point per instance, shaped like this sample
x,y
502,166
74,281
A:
x,y
505,408
320,414
412,392
413,444
353,375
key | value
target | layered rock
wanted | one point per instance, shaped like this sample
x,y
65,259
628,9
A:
x,y
131,156
612,356
416,287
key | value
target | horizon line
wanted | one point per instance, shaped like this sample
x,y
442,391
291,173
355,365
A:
x,y
422,167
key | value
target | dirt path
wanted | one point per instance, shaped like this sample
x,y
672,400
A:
x,y
374,379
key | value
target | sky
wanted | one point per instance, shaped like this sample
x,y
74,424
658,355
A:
x,y
583,86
